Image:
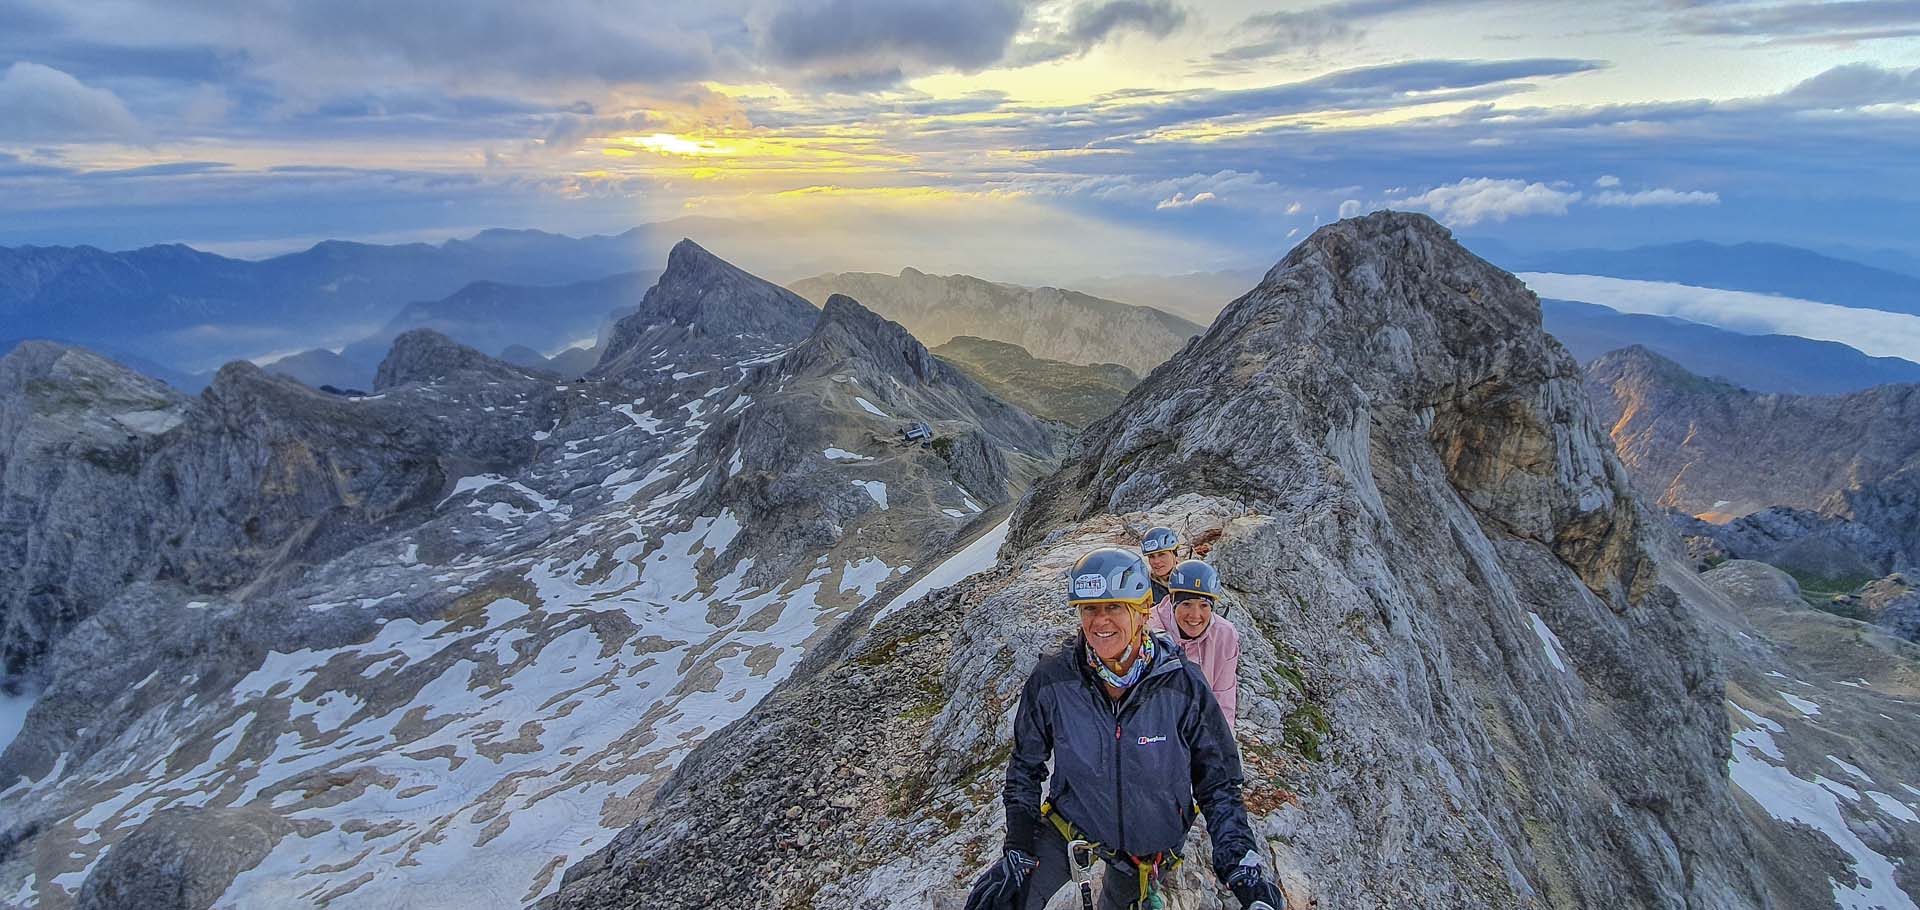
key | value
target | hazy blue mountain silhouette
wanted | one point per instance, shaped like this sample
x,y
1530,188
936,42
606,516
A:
x,y
1763,363
1769,268
189,308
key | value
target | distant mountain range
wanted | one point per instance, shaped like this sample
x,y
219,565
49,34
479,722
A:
x,y
1762,363
1050,323
193,310
1198,296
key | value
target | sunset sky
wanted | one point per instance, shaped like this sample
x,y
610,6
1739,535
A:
x,y
1094,135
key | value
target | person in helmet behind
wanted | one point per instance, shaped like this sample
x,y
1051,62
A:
x,y
1161,548
1136,741
1190,616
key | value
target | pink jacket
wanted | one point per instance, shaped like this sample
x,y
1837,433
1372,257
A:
x,y
1216,651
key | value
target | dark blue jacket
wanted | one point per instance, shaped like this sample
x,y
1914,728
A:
x,y
1126,773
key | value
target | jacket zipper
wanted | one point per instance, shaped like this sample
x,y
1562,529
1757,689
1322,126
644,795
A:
x,y
1119,806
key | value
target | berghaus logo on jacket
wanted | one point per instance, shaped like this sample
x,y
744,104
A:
x,y
1148,740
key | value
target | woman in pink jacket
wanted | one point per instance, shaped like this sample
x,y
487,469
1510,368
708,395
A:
x,y
1187,613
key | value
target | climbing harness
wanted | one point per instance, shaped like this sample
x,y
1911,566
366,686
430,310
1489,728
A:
x,y
1149,871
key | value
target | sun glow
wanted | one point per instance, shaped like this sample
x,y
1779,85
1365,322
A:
x,y
669,144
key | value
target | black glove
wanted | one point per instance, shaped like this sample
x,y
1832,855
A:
x,y
1253,889
1002,886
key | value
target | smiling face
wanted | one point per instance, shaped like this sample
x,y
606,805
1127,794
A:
x,y
1111,628
1193,615
1161,563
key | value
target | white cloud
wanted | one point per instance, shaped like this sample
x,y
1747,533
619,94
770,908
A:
x,y
1181,200
1486,199
1350,208
1660,196
40,102
1875,332
1294,208
1607,180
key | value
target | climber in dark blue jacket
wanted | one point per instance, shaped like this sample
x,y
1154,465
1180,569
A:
x,y
1136,740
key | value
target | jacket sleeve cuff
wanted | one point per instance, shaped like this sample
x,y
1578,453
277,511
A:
x,y
1023,832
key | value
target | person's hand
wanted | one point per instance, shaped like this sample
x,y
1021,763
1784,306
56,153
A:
x,y
1254,890
1003,885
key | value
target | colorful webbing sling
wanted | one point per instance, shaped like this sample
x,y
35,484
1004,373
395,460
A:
x,y
1149,871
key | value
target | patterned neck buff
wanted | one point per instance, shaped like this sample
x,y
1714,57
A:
x,y
1133,673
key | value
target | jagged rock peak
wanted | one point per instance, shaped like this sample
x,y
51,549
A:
x,y
423,355
699,289
705,307
1382,321
847,329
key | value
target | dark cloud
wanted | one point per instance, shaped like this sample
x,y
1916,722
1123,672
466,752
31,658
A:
x,y
1363,88
104,61
1855,85
1088,25
1847,21
1287,31
1094,23
565,40
871,42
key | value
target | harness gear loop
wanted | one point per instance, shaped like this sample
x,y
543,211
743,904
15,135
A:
x,y
1148,870
1080,854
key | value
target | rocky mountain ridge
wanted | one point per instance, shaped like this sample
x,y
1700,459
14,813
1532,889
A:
x,y
1467,680
1828,484
447,706
1049,322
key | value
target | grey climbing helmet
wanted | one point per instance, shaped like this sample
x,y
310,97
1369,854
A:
x,y
1196,578
1159,539
1109,575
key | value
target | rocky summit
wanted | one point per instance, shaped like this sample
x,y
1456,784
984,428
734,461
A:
x,y
1465,681
429,646
702,311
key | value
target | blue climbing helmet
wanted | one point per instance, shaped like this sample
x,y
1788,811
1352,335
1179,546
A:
x,y
1110,575
1195,578
1158,539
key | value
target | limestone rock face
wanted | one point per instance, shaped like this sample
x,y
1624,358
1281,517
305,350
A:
x,y
1049,322
74,431
112,479
1464,681
1719,452
182,859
